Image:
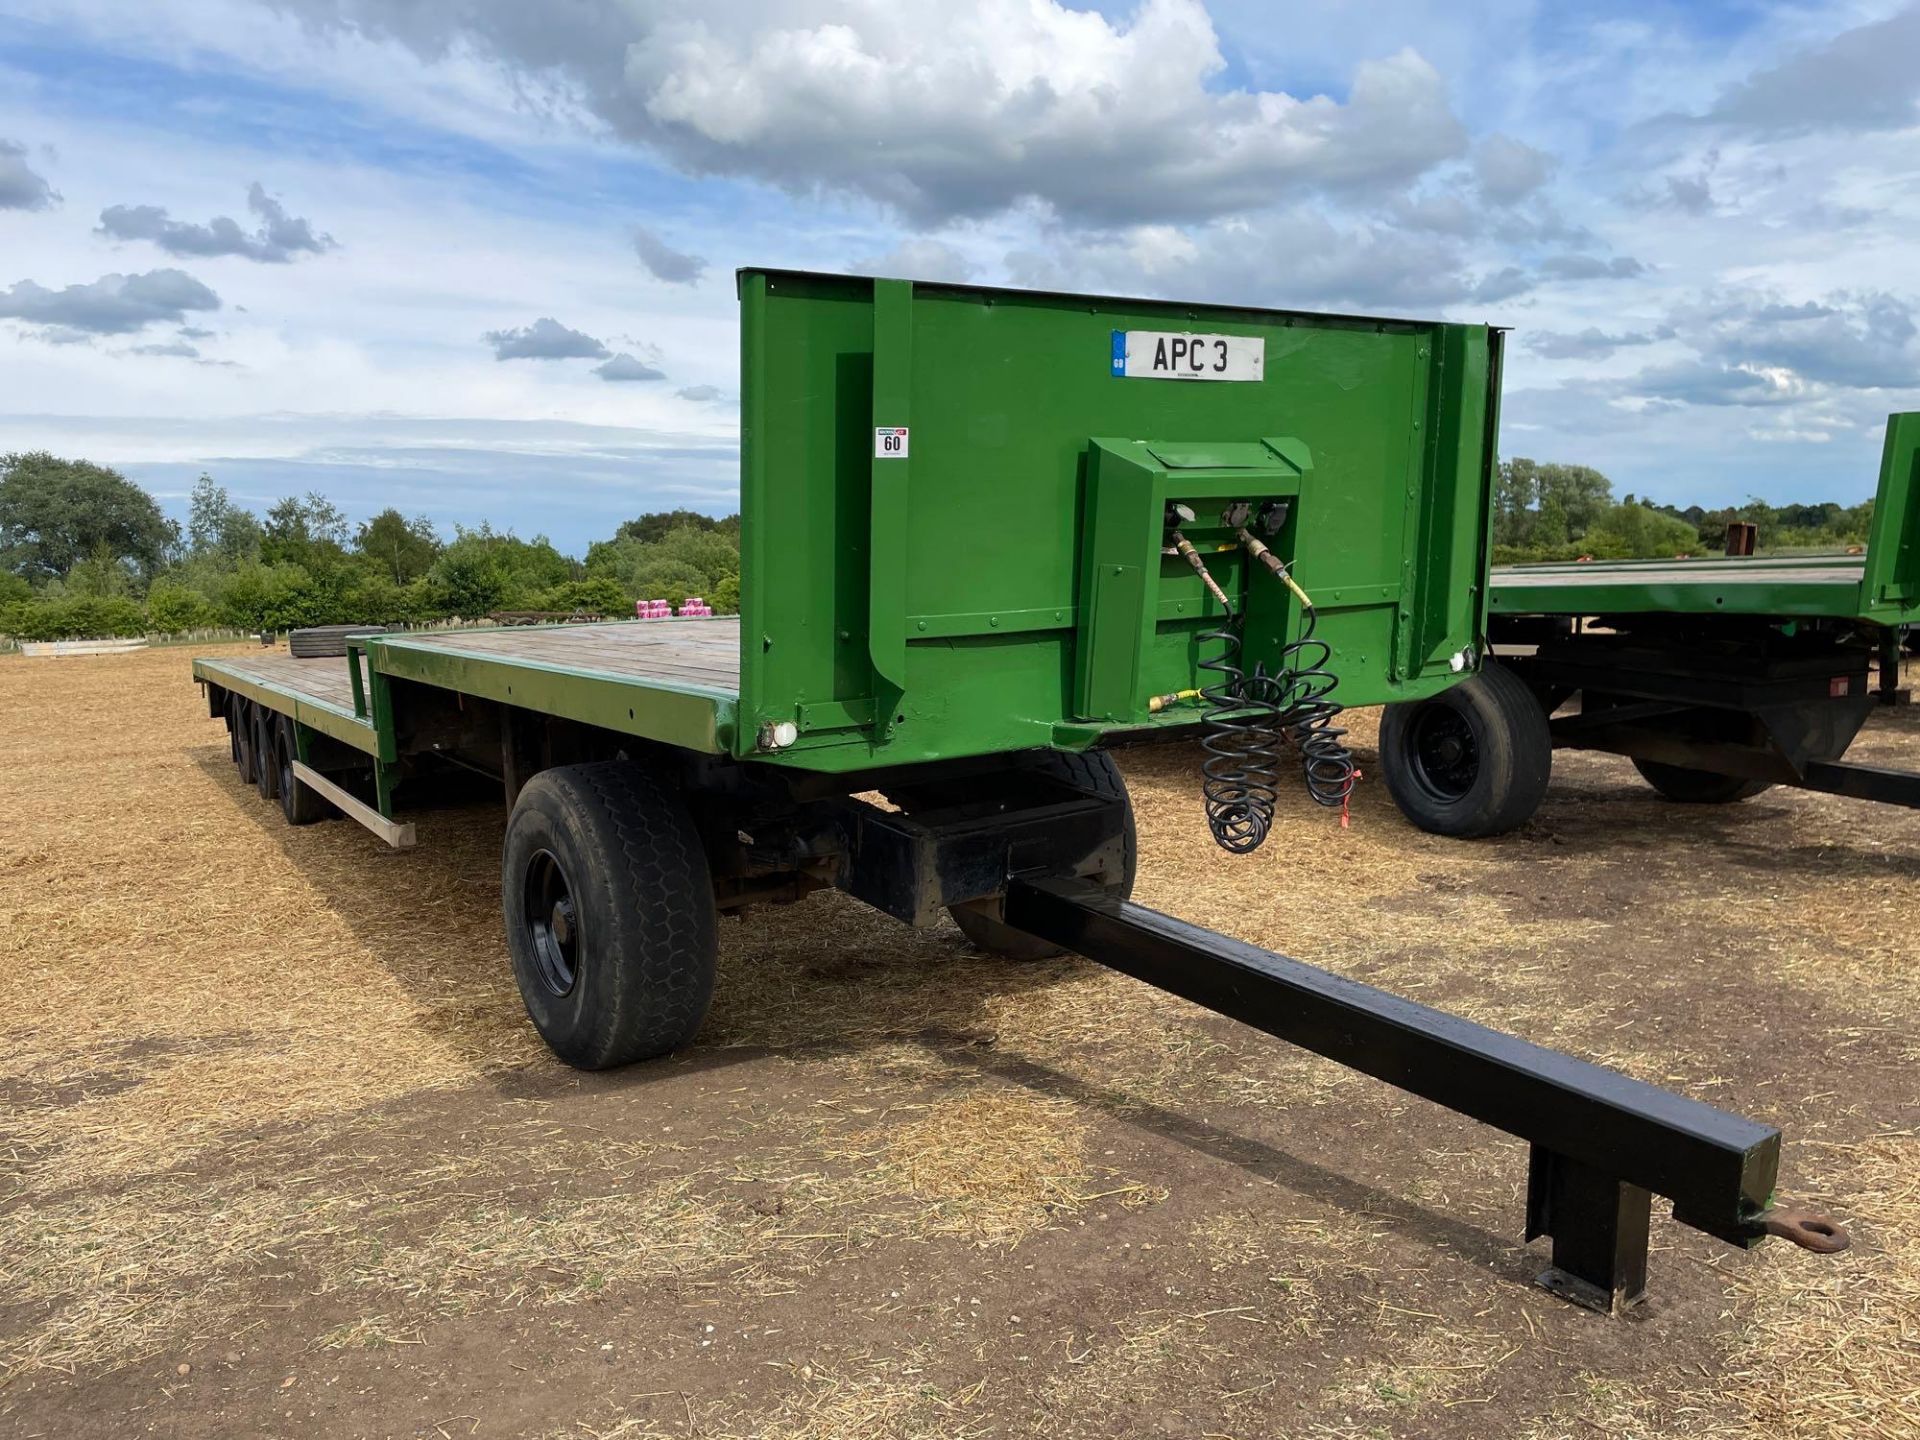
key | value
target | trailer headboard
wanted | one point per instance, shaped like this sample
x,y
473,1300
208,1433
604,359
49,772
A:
x,y
929,472
1891,582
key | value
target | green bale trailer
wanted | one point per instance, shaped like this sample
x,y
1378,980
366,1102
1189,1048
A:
x,y
1719,678
985,534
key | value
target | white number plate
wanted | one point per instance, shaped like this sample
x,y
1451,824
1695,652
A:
x,y
889,442
1172,355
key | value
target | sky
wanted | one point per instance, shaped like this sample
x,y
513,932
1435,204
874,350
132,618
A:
x,y
474,258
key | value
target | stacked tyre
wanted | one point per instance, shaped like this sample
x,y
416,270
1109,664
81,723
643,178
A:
x,y
321,641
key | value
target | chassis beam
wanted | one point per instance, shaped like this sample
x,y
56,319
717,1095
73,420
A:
x,y
1603,1143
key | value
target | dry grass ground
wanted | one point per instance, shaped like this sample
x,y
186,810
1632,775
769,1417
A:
x,y
280,1155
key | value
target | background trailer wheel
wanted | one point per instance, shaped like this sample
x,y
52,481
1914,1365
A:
x,y
610,913
298,803
266,775
1472,761
1689,786
983,921
240,726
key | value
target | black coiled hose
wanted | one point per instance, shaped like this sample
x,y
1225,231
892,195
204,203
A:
x,y
1242,744
1303,700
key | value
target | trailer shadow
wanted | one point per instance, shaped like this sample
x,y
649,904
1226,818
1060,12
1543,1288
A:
x,y
850,984
1593,820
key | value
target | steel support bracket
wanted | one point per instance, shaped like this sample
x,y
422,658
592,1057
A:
x,y
1599,1229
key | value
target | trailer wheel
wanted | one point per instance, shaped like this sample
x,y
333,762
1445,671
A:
x,y
231,715
983,922
301,805
266,775
1472,761
1688,786
610,913
240,724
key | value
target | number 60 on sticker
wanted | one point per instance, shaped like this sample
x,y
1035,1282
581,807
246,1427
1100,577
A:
x,y
889,442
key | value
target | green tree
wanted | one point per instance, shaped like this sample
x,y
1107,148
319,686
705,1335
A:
x,y
651,528
468,580
174,608
600,596
1516,490
688,560
55,513
309,531
1632,531
219,529
101,576
403,549
1581,493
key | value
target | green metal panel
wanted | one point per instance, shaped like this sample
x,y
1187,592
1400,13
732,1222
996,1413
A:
x,y
1130,483
1891,584
936,604
307,711
1882,587
689,716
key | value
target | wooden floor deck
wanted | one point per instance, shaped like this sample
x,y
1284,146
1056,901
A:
x,y
1838,571
704,653
686,652
324,680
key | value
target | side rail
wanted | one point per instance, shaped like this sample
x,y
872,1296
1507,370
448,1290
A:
x,y
1603,1143
1892,579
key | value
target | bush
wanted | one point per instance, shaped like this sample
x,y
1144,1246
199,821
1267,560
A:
x,y
174,608
80,617
602,596
725,598
376,600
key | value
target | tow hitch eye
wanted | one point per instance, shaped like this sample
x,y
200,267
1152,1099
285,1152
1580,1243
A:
x,y
1807,1229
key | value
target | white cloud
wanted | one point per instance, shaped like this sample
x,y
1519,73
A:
x,y
111,305
628,367
920,258
1508,169
277,239
21,187
940,110
1864,78
663,262
545,339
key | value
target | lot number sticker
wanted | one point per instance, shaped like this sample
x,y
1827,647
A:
x,y
1172,355
889,442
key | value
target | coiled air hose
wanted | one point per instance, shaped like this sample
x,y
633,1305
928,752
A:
x,y
1248,714
1240,771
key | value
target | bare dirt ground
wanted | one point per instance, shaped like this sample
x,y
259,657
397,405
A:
x,y
279,1154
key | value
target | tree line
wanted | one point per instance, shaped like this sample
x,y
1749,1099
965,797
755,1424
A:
x,y
85,552
1563,512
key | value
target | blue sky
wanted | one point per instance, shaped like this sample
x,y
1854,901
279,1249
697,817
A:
x,y
474,257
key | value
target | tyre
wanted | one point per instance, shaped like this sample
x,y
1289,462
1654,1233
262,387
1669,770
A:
x,y
1688,786
240,723
1472,761
609,912
983,922
316,641
233,730
301,805
266,775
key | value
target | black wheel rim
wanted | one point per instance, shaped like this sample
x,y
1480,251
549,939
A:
x,y
552,921
1444,750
